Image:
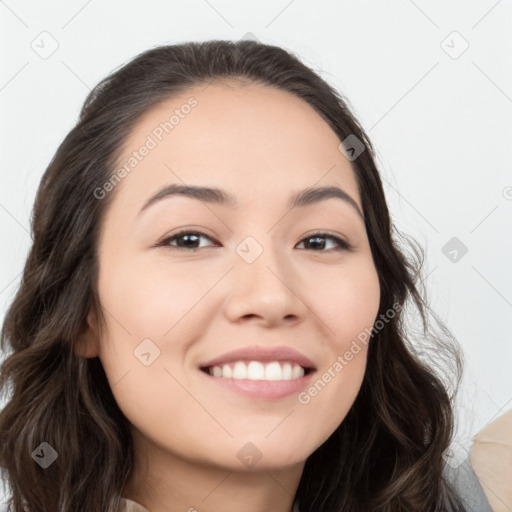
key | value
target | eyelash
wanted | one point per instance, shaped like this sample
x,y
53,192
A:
x,y
342,244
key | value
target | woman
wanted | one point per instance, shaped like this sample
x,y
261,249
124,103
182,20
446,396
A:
x,y
269,367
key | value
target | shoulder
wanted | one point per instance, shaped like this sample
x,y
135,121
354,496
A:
x,y
491,457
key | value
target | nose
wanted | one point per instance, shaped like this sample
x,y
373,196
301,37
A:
x,y
266,291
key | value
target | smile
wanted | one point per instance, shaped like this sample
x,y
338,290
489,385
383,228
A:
x,y
257,370
271,380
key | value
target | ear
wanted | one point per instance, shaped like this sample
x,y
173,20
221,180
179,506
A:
x,y
88,343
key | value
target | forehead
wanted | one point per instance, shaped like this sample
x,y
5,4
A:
x,y
251,139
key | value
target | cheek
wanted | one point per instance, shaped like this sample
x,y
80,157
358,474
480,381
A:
x,y
148,299
149,312
348,310
349,304
150,309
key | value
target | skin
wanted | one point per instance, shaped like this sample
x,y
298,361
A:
x,y
261,145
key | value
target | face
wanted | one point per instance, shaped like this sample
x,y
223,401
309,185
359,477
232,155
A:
x,y
256,275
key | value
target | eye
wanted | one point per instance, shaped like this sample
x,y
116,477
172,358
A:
x,y
317,238
187,240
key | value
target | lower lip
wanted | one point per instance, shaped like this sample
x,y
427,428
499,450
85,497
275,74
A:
x,y
266,389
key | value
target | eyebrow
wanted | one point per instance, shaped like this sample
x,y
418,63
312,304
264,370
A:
x,y
306,197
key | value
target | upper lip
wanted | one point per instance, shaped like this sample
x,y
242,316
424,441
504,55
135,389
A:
x,y
261,354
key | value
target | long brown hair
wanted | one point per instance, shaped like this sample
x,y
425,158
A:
x,y
387,454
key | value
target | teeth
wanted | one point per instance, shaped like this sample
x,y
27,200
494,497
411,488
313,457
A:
x,y
287,371
239,371
256,370
297,371
273,371
226,371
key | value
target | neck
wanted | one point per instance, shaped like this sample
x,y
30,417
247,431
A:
x,y
164,482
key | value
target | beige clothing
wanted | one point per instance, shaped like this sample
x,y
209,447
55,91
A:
x,y
132,506
491,457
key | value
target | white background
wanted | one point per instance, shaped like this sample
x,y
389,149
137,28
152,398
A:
x,y
441,123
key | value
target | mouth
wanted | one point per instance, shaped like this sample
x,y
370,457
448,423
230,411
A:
x,y
269,381
258,370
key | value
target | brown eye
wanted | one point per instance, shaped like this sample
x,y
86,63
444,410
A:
x,y
186,240
317,242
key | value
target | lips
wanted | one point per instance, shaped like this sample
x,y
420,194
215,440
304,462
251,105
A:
x,y
257,353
